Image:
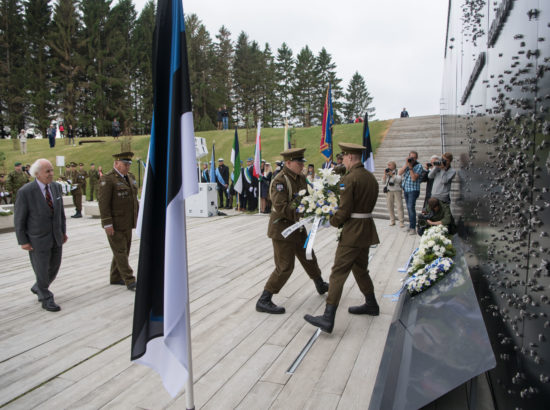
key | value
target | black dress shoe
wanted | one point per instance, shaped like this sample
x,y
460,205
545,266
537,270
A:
x,y
33,290
118,282
50,305
132,286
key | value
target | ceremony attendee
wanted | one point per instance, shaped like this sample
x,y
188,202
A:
x,y
283,214
219,117
16,179
225,117
404,113
41,230
4,194
339,167
265,181
118,207
93,175
328,164
23,141
76,190
205,174
67,172
429,182
410,173
392,189
250,186
310,174
115,129
439,213
50,133
358,195
222,179
442,175
70,135
82,175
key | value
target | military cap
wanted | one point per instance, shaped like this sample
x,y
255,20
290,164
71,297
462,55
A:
x,y
73,164
67,165
294,154
250,159
220,159
81,164
124,157
350,148
17,164
92,164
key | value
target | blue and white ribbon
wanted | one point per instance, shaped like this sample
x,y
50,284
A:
x,y
406,266
311,237
296,226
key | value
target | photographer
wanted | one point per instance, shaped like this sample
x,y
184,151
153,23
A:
x,y
436,213
442,175
392,189
411,186
429,182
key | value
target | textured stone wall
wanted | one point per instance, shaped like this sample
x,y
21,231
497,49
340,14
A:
x,y
495,111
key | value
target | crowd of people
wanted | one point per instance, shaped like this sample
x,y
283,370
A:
x,y
405,182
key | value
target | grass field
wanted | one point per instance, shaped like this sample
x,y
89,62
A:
x,y
272,145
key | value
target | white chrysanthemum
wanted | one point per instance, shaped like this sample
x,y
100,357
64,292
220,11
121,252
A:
x,y
318,211
302,192
326,209
430,243
301,209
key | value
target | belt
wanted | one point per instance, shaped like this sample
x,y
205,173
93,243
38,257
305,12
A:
x,y
360,216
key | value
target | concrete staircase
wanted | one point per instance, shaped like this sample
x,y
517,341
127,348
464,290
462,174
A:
x,y
420,134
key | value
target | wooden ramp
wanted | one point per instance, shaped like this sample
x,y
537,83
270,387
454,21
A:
x,y
80,357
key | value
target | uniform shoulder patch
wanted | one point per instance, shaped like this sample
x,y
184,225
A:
x,y
280,187
103,183
342,187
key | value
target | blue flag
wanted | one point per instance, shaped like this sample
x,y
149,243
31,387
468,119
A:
x,y
213,164
161,336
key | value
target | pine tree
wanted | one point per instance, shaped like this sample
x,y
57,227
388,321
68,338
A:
x,y
358,99
306,86
38,62
268,84
68,64
12,66
284,73
221,74
326,69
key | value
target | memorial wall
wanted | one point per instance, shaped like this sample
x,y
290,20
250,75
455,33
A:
x,y
495,117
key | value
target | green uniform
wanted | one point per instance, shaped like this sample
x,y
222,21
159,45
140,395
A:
x,y
358,195
14,182
4,194
77,191
82,175
94,182
118,207
283,214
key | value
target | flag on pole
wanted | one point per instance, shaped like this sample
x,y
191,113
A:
x,y
368,156
212,172
287,136
256,171
236,161
326,127
161,336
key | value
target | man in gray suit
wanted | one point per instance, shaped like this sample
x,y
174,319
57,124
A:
x,y
40,228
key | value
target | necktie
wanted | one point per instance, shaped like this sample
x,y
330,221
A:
x,y
127,179
49,198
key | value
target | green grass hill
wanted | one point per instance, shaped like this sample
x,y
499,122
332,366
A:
x,y
272,145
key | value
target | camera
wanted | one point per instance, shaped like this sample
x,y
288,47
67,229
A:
x,y
444,161
410,160
388,170
422,223
437,163
429,165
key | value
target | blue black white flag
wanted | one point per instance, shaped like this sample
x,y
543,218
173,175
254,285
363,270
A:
x,y
368,156
161,338
213,164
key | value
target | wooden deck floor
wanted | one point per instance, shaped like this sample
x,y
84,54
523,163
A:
x,y
80,357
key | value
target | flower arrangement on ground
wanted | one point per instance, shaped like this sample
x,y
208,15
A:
x,y
321,197
431,261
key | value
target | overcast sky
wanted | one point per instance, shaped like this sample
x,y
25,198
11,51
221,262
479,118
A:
x,y
396,45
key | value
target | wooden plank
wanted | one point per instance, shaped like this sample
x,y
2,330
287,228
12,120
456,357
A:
x,y
261,396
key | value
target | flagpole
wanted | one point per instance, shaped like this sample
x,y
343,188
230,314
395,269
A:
x,y
189,393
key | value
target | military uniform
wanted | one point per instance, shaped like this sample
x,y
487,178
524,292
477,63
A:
x,y
118,207
4,194
76,190
67,172
16,179
358,195
94,182
283,214
83,174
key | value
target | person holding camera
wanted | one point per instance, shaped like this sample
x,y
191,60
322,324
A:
x,y
410,173
429,182
436,213
442,175
392,189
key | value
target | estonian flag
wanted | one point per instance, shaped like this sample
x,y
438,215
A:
x,y
368,157
236,161
161,338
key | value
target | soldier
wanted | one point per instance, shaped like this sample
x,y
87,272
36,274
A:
x,y
94,181
83,174
4,194
283,214
118,207
76,190
16,179
67,173
358,194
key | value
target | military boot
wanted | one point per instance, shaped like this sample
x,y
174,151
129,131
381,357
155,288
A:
x,y
264,304
325,322
369,308
320,285
77,215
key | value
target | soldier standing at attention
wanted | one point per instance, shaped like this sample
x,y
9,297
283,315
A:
x,y
94,181
76,190
16,179
283,189
358,195
83,174
67,173
118,207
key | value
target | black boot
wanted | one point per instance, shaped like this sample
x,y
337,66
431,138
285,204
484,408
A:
x,y
369,308
77,215
320,285
264,304
325,322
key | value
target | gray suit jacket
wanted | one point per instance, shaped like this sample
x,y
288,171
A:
x,y
34,222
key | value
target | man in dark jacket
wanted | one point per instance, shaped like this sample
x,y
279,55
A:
x,y
222,178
